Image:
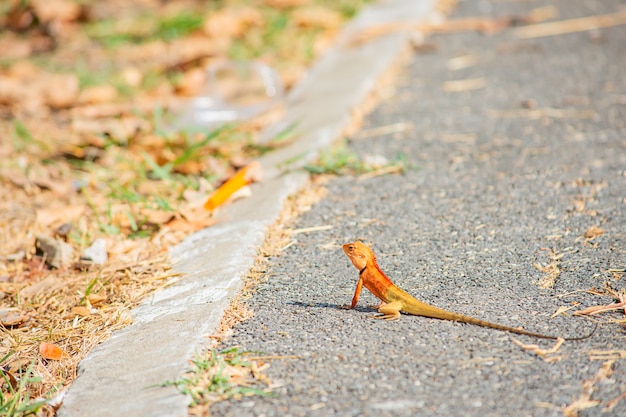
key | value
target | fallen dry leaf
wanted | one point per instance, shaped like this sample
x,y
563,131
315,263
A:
x,y
593,232
97,94
12,317
192,82
157,216
61,90
246,175
316,17
81,311
183,225
284,4
15,48
50,283
55,215
95,299
52,352
232,22
58,10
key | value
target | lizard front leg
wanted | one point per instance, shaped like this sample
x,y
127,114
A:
x,y
357,292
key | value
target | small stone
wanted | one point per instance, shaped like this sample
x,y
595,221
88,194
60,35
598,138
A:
x,y
96,253
57,253
63,230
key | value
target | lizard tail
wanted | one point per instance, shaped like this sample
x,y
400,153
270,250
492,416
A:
x,y
426,310
419,308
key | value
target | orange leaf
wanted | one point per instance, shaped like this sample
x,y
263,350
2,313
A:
x,y
50,351
244,176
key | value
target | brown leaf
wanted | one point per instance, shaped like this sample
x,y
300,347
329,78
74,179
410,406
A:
x,y
233,22
62,189
52,352
284,4
10,90
122,247
192,82
17,227
19,16
50,283
81,311
13,47
157,216
95,299
12,317
12,380
53,216
320,17
98,94
56,10
118,128
183,225
593,232
61,90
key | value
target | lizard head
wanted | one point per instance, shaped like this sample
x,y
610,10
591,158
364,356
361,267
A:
x,y
359,253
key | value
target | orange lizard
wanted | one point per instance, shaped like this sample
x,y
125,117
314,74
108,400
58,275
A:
x,y
394,300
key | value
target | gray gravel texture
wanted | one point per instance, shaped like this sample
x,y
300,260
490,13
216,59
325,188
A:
x,y
464,232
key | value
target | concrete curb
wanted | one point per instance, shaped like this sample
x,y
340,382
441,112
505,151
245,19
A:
x,y
122,375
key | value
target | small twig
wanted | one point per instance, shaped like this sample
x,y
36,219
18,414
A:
x,y
601,309
392,169
562,310
311,229
270,357
562,27
543,353
386,130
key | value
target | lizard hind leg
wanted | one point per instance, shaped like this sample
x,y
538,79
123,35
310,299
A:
x,y
390,311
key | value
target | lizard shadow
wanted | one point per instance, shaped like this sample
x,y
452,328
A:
x,y
363,309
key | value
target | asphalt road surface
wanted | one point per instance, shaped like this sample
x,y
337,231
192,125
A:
x,y
519,174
